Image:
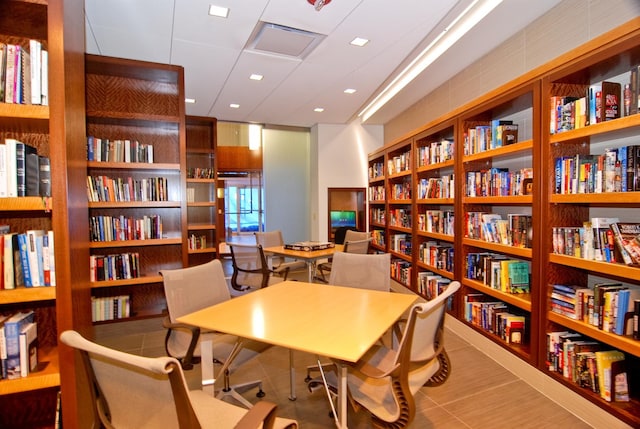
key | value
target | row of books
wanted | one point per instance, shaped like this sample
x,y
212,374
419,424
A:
x,y
23,172
437,187
400,217
516,230
438,221
616,170
499,182
431,285
499,272
437,255
378,237
117,266
200,173
401,191
18,345
609,306
600,239
399,163
24,73
376,193
28,258
196,242
121,228
376,170
118,150
400,243
490,135
377,215
496,317
110,308
589,364
435,152
401,271
115,189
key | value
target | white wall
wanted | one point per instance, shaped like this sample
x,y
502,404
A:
x,y
286,167
341,152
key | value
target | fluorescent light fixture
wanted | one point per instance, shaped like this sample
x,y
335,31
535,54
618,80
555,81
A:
x,y
318,109
464,22
219,11
349,91
234,106
255,136
359,41
190,100
256,77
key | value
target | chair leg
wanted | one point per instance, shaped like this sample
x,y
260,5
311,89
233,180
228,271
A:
x,y
234,390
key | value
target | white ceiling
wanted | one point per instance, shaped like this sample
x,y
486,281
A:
x,y
217,65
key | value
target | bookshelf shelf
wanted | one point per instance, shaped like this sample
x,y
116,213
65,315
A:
x,y
205,250
128,282
608,198
133,204
25,204
133,165
624,123
511,149
23,294
607,268
47,376
135,243
201,227
522,252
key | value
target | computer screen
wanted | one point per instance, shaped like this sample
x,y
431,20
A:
x,y
343,218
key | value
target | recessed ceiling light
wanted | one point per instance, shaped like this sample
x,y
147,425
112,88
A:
x,y
318,109
359,41
234,106
349,91
190,100
218,11
256,77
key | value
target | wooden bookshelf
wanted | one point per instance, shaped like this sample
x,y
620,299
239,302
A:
x,y
526,102
145,105
57,132
205,221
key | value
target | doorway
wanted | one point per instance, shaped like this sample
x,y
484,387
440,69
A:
x,y
243,204
346,208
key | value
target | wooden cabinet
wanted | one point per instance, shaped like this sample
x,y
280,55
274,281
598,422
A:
x,y
57,132
203,212
523,179
135,182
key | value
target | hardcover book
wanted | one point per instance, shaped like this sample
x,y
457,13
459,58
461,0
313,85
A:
x,y
308,246
627,238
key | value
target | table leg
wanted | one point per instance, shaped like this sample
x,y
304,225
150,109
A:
x,y
342,396
311,270
206,365
292,378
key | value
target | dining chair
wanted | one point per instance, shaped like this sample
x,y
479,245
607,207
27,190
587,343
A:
x,y
194,288
385,380
355,242
278,264
250,268
135,392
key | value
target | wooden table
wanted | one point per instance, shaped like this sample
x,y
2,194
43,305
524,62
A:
x,y
333,321
310,257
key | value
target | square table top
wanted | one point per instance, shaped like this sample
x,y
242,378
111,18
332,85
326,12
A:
x,y
304,254
332,321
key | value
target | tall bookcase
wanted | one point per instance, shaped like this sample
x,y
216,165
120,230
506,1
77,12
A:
x,y
138,102
56,131
203,211
518,182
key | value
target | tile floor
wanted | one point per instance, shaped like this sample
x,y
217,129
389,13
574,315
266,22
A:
x,y
479,393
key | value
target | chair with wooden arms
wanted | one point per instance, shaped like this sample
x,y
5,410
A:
x,y
250,268
135,392
277,263
194,288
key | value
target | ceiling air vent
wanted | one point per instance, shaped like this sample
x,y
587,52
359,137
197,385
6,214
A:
x,y
274,39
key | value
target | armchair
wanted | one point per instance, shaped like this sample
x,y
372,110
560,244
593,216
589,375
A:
x,y
355,242
191,289
250,268
386,379
130,391
278,264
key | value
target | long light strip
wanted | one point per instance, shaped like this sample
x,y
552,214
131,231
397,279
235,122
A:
x,y
464,22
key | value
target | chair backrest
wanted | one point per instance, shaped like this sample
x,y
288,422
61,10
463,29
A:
x,y
357,246
354,235
250,268
270,238
421,340
364,271
132,391
187,290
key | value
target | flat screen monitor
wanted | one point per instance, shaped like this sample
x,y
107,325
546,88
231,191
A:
x,y
343,218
